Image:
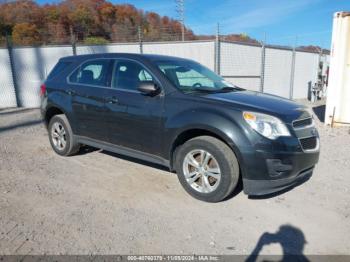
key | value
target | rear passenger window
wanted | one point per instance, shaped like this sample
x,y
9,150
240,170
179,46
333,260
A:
x,y
92,73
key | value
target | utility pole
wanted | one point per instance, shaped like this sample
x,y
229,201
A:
x,y
291,86
73,40
262,70
13,70
180,9
139,29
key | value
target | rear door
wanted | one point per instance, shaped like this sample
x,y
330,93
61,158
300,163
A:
x,y
88,85
134,120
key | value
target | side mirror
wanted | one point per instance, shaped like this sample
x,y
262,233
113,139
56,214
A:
x,y
148,88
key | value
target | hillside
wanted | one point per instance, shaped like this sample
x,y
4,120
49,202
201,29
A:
x,y
89,21
94,22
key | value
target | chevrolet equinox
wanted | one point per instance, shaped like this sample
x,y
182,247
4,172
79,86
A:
x,y
177,113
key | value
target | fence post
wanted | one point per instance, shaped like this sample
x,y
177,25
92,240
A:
x,y
292,72
13,71
262,70
217,50
72,40
140,39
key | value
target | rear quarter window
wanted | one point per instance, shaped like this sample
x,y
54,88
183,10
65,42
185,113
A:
x,y
59,67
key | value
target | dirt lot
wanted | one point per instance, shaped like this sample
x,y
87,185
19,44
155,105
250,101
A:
x,y
99,203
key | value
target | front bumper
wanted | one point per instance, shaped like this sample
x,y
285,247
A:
x,y
264,187
267,171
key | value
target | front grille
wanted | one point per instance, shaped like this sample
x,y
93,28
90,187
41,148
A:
x,y
302,123
308,143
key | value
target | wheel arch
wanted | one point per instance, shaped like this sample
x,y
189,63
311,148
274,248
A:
x,y
190,133
51,112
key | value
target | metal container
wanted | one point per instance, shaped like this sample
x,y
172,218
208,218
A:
x,y
338,93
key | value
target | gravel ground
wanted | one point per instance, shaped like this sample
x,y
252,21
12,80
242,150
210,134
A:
x,y
102,203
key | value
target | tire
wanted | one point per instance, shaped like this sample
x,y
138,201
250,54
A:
x,y
61,136
215,177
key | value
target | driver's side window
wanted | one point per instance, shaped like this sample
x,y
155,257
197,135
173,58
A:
x,y
193,78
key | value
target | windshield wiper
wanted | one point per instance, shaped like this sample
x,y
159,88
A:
x,y
230,89
216,90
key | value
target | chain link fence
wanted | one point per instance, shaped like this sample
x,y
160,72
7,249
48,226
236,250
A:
x,y
7,87
240,63
282,71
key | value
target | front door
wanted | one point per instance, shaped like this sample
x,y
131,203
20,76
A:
x,y
135,120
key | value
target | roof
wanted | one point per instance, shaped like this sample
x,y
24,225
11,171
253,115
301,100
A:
x,y
342,14
151,57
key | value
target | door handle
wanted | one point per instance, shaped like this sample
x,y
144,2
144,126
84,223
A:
x,y
70,92
112,100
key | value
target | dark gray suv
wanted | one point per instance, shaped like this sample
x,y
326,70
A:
x,y
177,113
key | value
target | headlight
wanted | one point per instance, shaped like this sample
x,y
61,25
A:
x,y
266,125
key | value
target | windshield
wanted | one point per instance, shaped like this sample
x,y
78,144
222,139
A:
x,y
189,76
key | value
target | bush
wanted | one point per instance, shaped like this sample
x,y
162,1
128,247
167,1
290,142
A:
x,y
95,40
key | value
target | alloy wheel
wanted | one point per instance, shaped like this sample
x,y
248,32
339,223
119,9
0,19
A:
x,y
58,135
202,171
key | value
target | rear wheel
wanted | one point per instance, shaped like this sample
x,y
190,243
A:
x,y
207,168
61,136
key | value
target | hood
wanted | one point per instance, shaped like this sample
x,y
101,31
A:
x,y
285,109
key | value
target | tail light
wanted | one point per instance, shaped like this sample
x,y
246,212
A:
x,y
42,90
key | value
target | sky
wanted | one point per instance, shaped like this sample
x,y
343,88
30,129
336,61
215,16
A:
x,y
283,22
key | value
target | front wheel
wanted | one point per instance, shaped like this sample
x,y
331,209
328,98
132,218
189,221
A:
x,y
207,168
